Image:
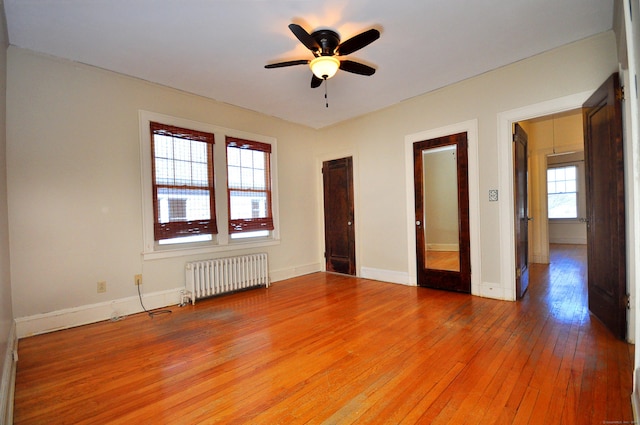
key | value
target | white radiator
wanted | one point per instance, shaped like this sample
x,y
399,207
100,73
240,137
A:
x,y
222,275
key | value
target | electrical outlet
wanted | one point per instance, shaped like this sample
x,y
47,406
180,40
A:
x,y
137,279
102,286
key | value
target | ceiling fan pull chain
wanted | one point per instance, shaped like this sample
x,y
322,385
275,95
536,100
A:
x,y
326,100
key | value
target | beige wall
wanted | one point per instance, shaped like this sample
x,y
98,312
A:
x,y
74,179
6,313
378,142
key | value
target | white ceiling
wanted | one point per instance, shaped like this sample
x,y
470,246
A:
x,y
218,48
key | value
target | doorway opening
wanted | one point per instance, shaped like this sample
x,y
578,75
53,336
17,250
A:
x,y
605,196
506,209
556,196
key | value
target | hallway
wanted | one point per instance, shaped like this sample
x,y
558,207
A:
x,y
577,344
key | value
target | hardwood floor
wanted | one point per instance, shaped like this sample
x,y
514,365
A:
x,y
330,349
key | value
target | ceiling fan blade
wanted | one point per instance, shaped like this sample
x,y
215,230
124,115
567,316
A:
x,y
356,68
304,37
315,81
358,42
287,63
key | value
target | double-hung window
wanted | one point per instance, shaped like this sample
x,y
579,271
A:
x,y
249,188
562,192
182,184
181,166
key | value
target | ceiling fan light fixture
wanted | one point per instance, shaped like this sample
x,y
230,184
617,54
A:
x,y
324,67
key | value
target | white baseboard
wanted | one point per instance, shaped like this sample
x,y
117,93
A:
x,y
540,259
447,247
365,272
495,291
635,397
391,276
569,241
283,274
92,313
7,383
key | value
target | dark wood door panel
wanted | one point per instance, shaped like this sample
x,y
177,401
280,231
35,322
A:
x,y
602,119
444,279
338,216
521,141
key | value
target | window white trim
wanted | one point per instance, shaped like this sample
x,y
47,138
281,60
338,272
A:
x,y
221,241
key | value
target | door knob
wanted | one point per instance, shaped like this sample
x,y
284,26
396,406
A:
x,y
348,223
418,223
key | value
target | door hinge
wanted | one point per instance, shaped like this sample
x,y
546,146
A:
x,y
620,93
518,272
627,301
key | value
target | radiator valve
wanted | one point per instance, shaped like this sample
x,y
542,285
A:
x,y
185,297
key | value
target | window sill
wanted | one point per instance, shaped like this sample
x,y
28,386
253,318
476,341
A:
x,y
186,251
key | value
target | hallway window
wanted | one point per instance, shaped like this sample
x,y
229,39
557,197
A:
x,y
562,192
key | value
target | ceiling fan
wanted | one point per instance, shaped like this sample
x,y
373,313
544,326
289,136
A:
x,y
325,46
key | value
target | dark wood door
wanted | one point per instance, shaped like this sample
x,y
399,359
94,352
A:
x,y
339,233
602,120
459,281
520,141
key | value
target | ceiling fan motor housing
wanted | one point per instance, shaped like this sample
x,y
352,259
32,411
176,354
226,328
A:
x,y
327,40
